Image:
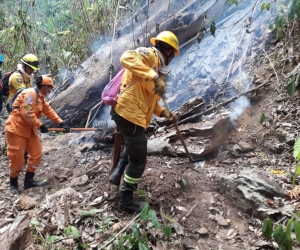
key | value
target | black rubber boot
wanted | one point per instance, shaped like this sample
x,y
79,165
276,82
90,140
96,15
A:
x,y
115,176
30,183
129,205
13,186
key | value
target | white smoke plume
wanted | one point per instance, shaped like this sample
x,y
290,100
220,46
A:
x,y
239,107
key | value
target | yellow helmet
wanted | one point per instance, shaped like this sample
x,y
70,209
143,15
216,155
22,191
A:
x,y
31,60
169,38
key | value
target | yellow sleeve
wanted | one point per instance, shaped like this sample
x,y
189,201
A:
x,y
158,109
16,81
139,62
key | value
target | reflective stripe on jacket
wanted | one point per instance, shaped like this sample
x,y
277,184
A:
x,y
138,102
24,119
17,82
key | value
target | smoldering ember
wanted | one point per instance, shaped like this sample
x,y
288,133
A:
x,y
225,176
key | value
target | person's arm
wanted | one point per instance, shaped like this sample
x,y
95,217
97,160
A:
x,y
138,61
27,105
17,82
50,113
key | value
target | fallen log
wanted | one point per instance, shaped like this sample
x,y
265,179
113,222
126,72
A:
x,y
17,235
188,119
74,103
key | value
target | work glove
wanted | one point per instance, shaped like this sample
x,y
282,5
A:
x,y
43,129
170,116
160,85
65,126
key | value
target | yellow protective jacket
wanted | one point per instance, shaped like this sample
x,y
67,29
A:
x,y
28,108
138,102
17,82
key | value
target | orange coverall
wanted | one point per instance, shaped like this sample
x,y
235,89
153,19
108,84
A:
x,y
21,130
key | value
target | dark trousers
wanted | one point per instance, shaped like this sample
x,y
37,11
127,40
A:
x,y
135,142
1,102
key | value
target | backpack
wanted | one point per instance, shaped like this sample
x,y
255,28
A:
x,y
111,91
4,88
10,103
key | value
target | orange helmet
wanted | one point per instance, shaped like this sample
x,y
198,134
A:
x,y
47,81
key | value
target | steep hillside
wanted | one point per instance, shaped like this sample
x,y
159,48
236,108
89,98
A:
x,y
190,198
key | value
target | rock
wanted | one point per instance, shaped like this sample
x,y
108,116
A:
x,y
157,145
26,202
79,181
245,146
251,188
203,231
63,192
222,222
208,198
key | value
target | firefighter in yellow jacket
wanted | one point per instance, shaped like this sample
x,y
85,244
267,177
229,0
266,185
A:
x,y
21,131
22,77
143,85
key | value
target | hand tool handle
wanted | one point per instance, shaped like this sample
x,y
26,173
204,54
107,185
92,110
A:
x,y
178,133
73,129
117,148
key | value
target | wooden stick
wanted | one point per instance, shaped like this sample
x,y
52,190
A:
x,y
73,129
180,135
223,103
117,149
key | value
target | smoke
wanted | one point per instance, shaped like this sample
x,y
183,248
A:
x,y
102,116
63,74
239,107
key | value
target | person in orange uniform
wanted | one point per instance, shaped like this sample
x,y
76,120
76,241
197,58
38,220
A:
x,y
143,85
22,77
21,131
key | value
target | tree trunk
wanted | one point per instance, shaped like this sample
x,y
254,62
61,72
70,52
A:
x,y
82,91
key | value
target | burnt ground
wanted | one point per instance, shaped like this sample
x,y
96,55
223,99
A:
x,y
186,198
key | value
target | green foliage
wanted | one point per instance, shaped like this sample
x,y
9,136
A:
x,y
34,223
141,193
61,33
91,212
262,118
282,237
153,217
267,229
167,230
293,83
296,155
184,181
212,28
297,230
266,6
230,2
71,229
52,238
296,152
138,240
